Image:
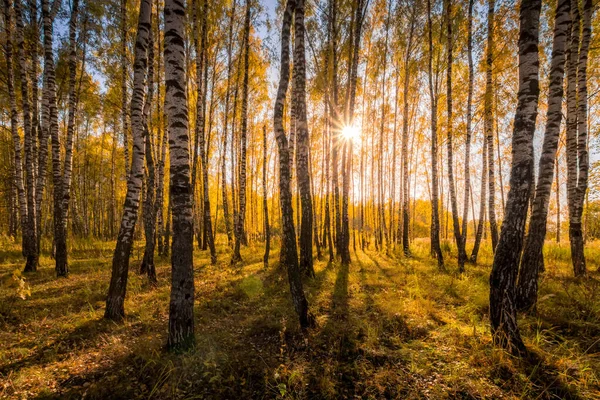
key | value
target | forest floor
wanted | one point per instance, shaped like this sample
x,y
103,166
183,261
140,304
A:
x,y
388,327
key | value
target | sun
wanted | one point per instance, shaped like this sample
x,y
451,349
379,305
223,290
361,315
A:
x,y
350,132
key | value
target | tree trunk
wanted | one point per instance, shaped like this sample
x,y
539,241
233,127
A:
x,y
462,256
30,233
503,311
468,134
241,214
532,258
226,215
436,249
488,123
265,204
578,161
120,265
124,116
482,192
181,308
149,206
289,252
202,62
18,167
302,144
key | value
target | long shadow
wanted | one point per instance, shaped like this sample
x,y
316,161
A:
x,y
60,347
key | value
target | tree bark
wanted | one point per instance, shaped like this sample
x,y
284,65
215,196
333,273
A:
x,y
488,123
436,249
503,311
468,133
289,252
241,214
265,203
302,144
149,206
532,258
181,308
120,265
18,162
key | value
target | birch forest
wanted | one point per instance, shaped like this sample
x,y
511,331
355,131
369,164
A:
x,y
299,199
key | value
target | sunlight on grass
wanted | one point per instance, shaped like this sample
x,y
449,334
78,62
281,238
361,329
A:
x,y
388,326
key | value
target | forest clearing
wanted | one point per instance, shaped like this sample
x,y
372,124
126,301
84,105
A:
x,y
387,327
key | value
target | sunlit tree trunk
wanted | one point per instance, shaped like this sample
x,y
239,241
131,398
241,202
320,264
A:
x,y
465,213
18,167
532,258
289,252
226,215
436,249
302,143
503,311
462,256
577,121
265,203
120,265
181,308
124,115
241,214
482,203
488,123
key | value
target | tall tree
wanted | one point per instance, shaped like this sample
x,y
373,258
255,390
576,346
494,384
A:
x,y
577,122
436,249
202,62
149,207
465,214
265,201
241,214
14,126
503,311
302,143
289,251
32,252
181,308
226,215
462,256
488,122
120,265
532,258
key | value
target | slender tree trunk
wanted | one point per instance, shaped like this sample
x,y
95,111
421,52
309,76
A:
x,y
503,311
436,249
462,256
289,252
120,265
488,122
482,202
30,233
265,203
468,134
18,163
149,207
60,239
226,215
240,217
532,258
577,138
181,308
124,116
302,144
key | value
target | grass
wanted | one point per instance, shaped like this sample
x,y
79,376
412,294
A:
x,y
388,327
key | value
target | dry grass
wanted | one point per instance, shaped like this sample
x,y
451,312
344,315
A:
x,y
388,327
